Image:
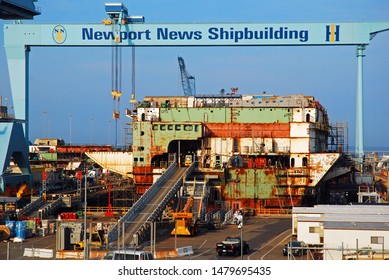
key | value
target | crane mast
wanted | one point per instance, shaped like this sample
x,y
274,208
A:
x,y
188,81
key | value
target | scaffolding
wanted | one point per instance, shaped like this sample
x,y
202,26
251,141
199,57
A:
x,y
127,140
338,139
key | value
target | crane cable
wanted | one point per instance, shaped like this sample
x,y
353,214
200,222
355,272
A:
x,y
116,72
133,74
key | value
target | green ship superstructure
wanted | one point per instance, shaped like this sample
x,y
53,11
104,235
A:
x,y
256,151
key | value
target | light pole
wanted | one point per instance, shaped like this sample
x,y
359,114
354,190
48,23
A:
x,y
175,234
109,132
153,236
8,250
85,241
70,128
240,226
49,129
91,130
241,242
44,123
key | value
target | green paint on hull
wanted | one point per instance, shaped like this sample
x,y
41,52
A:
x,y
251,183
226,115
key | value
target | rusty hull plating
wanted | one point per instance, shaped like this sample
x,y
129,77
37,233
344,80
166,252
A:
x,y
257,151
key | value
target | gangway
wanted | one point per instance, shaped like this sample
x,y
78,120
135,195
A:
x,y
36,202
150,206
41,208
46,209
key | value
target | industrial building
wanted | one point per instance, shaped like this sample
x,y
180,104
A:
x,y
337,230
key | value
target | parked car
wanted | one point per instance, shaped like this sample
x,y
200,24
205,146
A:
x,y
129,255
232,246
295,248
367,253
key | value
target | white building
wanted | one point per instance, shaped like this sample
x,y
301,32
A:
x,y
340,229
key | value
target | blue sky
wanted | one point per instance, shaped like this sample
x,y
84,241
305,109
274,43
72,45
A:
x,y
77,81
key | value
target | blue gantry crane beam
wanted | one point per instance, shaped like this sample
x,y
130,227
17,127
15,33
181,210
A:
x,y
188,81
20,39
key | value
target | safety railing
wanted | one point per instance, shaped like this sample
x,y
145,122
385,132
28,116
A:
x,y
50,208
141,203
162,205
31,207
171,193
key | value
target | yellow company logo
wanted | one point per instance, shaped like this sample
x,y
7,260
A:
x,y
59,34
332,33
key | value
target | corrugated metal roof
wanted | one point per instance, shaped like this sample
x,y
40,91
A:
x,y
346,218
357,226
366,209
356,217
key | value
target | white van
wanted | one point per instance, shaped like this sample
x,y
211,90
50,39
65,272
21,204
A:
x,y
129,255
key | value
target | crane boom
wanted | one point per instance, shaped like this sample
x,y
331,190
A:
x,y
188,81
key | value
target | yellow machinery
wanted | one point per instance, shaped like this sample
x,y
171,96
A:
x,y
188,159
185,224
4,232
96,240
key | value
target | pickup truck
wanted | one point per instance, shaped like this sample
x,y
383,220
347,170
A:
x,y
231,246
367,253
